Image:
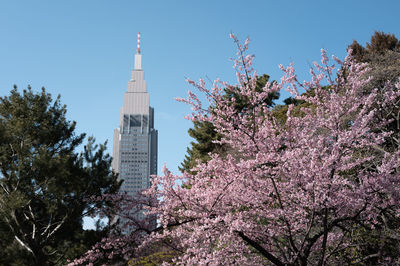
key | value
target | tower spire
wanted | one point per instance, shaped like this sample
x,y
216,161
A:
x,y
138,43
138,56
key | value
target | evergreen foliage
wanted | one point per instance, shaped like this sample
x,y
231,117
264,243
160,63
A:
x,y
45,185
204,133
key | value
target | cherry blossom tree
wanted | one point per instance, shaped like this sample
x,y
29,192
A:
x,y
293,192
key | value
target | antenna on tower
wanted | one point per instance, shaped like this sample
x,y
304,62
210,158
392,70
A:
x,y
138,43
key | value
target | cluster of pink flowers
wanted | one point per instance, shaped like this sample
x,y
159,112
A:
x,y
291,192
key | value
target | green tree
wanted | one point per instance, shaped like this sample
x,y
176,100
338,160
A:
x,y
45,185
204,132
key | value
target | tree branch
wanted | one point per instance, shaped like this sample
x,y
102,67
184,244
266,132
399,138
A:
x,y
24,245
260,249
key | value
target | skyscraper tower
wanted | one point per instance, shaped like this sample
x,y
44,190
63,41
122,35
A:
x,y
135,141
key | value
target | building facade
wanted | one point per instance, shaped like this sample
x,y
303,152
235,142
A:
x,y
135,141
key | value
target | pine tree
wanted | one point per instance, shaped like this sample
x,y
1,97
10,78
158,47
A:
x,y
45,185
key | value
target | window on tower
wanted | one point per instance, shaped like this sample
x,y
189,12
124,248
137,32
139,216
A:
x,y
135,120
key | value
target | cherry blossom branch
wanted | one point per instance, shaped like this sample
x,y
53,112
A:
x,y
260,249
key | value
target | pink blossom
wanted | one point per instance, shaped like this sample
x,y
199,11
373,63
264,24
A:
x,y
283,195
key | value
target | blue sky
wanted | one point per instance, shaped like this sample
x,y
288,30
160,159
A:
x,y
84,50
